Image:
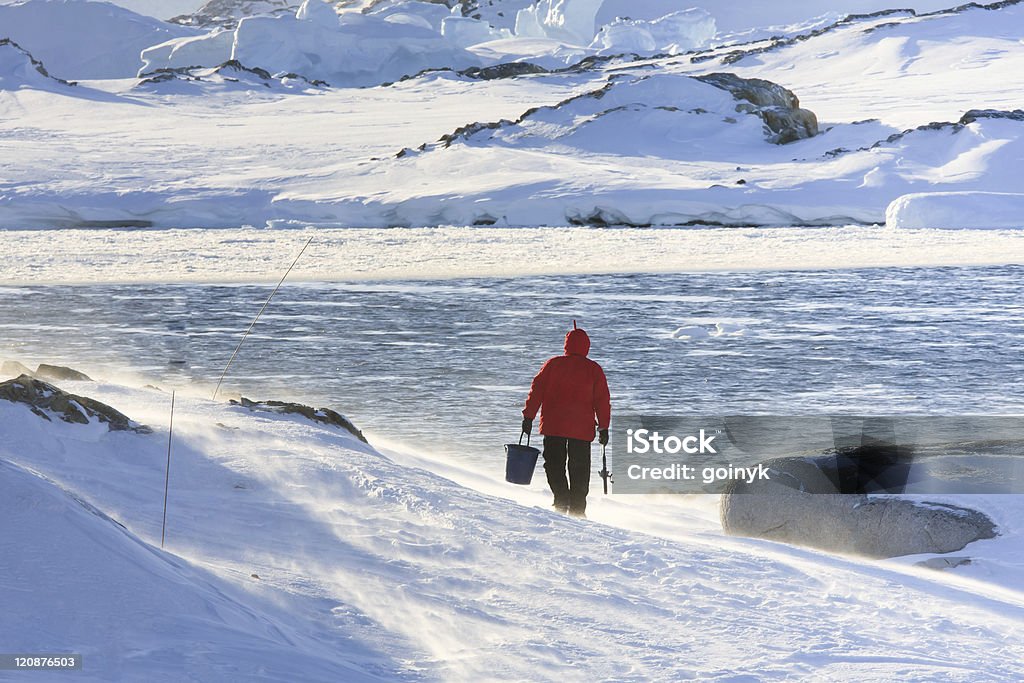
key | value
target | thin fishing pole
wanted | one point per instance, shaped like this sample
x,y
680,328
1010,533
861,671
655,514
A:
x,y
167,474
267,303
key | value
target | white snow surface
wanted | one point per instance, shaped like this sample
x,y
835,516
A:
x,y
978,210
82,39
400,566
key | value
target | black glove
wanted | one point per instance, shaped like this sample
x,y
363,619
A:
x,y
602,437
527,426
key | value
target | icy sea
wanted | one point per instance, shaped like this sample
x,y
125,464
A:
x,y
446,364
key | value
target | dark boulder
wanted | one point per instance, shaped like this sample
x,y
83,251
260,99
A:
x,y
48,401
59,372
777,106
321,415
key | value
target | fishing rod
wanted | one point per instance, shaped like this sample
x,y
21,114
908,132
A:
x,y
605,474
265,304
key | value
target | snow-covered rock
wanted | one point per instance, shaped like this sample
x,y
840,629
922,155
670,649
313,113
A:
x,y
225,14
325,416
669,115
229,76
973,210
802,502
49,402
81,39
777,106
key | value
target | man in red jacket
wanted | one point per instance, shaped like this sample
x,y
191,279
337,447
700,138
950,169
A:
x,y
572,394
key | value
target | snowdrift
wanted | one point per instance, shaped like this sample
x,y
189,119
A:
x,y
972,210
79,581
82,39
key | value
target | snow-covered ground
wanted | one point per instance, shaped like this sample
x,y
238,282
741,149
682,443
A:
x,y
383,567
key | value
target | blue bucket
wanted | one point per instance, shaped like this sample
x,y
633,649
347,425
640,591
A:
x,y
520,462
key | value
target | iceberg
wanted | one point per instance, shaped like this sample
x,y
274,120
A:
x,y
350,49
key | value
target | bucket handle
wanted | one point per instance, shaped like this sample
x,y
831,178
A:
x,y
521,438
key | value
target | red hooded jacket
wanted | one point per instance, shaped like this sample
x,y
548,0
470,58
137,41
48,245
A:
x,y
570,391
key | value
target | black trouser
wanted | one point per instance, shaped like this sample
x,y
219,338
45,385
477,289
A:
x,y
570,495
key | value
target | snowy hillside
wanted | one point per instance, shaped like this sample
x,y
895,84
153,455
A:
x,y
294,550
646,154
905,70
79,40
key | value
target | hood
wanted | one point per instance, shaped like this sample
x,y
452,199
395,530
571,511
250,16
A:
x,y
577,343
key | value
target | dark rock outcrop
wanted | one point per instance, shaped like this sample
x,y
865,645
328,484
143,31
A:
x,y
506,70
48,401
777,106
59,372
800,504
231,71
321,415
974,114
227,13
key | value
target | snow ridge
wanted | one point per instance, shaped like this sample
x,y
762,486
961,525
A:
x,y
734,55
17,66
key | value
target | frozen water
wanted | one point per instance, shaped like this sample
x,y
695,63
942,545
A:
x,y
411,360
